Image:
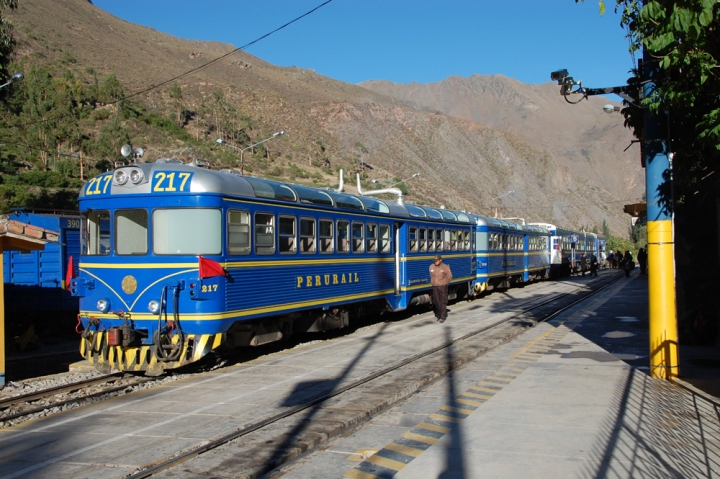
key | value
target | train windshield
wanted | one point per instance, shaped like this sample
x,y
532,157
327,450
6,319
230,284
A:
x,y
193,231
95,236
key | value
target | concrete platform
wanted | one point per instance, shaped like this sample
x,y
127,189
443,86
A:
x,y
571,398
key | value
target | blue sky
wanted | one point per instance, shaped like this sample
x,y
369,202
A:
x,y
406,41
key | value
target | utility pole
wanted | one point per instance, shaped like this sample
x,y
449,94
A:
x,y
662,311
664,354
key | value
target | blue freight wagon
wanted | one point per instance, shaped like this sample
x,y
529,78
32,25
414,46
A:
x,y
35,280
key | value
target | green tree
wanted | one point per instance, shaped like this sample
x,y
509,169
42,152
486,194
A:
x,y
176,97
7,41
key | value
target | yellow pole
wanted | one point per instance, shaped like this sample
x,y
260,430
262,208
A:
x,y
664,353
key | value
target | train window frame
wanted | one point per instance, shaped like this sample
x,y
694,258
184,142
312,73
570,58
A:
x,y
371,237
422,239
187,231
431,240
413,239
287,241
466,240
326,233
358,237
308,241
264,248
94,239
237,230
343,236
439,240
385,238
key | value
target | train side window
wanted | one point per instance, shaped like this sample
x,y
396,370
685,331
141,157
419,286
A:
x,y
371,237
413,239
238,227
466,240
326,236
358,242
450,240
95,237
307,235
439,241
422,246
431,240
287,243
384,238
264,233
343,236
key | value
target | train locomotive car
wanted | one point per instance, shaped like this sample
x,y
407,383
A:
x,y
35,280
178,260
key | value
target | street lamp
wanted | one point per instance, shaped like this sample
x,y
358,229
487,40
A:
x,y
395,184
610,108
16,78
220,141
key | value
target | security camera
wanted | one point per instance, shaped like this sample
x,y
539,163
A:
x,y
559,75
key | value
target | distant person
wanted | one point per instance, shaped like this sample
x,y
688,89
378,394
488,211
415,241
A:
x,y
583,264
603,258
440,277
611,259
593,265
642,260
627,263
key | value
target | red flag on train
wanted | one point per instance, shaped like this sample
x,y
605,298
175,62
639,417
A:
x,y
209,268
70,273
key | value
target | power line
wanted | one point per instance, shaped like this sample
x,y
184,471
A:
x,y
196,69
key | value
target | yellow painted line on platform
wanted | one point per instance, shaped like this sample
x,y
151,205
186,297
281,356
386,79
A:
x,y
385,462
407,450
440,417
468,402
474,395
419,438
498,378
457,409
485,390
358,474
433,427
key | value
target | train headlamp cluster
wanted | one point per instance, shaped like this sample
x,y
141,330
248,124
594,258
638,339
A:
x,y
136,176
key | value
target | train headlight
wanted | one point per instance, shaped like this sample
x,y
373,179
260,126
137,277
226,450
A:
x,y
136,176
103,305
121,177
154,306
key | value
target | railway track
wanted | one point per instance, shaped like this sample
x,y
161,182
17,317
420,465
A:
x,y
273,426
17,407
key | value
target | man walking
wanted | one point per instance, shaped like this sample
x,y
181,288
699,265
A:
x,y
440,277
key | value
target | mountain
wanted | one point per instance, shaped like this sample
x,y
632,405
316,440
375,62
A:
x,y
471,139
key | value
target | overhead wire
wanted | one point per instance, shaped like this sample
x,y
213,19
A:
x,y
198,68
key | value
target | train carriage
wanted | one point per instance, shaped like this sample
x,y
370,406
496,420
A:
x,y
35,280
507,253
177,260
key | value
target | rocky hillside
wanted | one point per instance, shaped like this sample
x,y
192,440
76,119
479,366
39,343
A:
x,y
471,139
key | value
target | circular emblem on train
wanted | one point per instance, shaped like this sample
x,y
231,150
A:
x,y
129,284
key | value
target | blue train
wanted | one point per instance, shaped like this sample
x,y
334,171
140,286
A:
x,y
35,280
178,260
